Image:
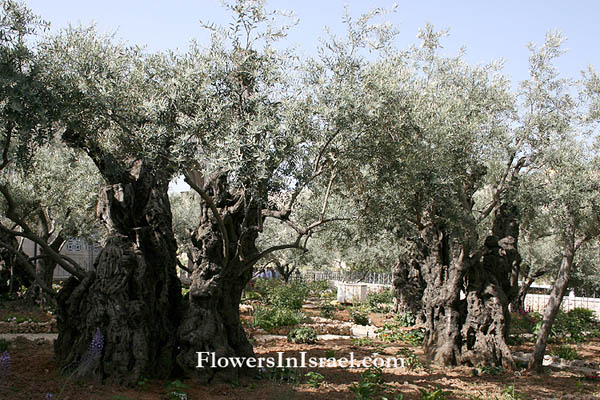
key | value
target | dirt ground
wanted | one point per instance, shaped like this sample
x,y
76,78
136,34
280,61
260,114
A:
x,y
34,373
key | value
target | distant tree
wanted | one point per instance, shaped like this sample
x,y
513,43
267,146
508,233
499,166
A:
x,y
563,190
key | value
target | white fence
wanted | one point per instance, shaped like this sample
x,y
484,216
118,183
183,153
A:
x,y
377,281
537,302
375,278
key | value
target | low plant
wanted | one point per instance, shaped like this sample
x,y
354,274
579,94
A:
x,y
317,287
291,296
327,310
269,318
142,384
392,332
281,375
406,319
305,334
411,361
371,384
315,379
359,316
177,390
573,326
437,394
565,352
380,301
330,353
362,342
3,345
509,393
487,370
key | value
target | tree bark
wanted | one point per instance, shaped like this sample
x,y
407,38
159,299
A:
x,y
133,299
211,321
408,286
44,268
467,296
553,305
12,275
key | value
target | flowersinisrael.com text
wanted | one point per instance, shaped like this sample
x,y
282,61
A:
x,y
210,360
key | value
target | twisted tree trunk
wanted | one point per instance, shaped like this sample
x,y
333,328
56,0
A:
x,y
119,324
211,321
467,296
408,286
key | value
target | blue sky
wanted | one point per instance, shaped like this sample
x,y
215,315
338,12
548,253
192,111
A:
x,y
489,30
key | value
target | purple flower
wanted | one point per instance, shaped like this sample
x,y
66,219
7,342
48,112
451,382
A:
x,y
94,351
49,396
4,364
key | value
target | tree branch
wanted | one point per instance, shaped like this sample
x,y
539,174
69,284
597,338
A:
x,y
28,267
64,261
213,207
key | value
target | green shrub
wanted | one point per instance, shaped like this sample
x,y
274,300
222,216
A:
x,y
391,332
281,375
574,326
3,345
411,361
565,352
290,296
305,334
380,301
314,379
264,286
327,310
406,319
363,342
317,287
359,316
252,295
437,394
511,394
269,318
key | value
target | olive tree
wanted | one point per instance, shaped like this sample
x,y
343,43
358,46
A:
x,y
115,105
255,146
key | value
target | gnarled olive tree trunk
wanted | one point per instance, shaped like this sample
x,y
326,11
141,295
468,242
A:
x,y
467,296
119,324
211,321
408,286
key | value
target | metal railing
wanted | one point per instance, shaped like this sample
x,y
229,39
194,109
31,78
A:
x,y
375,278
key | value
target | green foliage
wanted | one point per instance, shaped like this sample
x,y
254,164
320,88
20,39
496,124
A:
x,y
269,318
574,326
392,332
406,319
437,394
362,342
330,353
509,393
359,315
411,361
565,352
327,310
252,295
318,287
380,301
281,295
487,370
281,375
304,334
3,345
371,385
142,384
315,379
